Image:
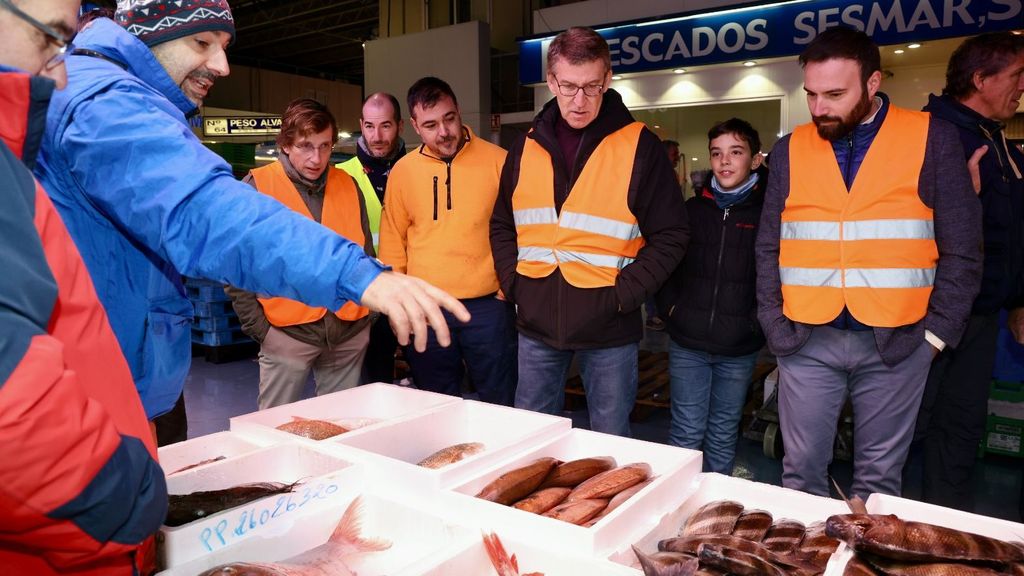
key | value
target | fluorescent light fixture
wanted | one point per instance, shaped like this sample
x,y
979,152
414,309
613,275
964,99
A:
x,y
694,158
344,134
750,63
617,77
913,46
898,51
679,71
657,125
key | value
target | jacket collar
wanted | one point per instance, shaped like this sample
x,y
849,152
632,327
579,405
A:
x,y
950,110
24,100
612,116
112,42
371,161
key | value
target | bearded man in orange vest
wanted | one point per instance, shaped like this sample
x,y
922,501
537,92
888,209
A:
x,y
868,256
294,337
589,223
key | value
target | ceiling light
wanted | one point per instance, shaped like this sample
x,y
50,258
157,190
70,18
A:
x,y
617,77
694,158
657,125
912,46
344,134
679,71
750,63
898,51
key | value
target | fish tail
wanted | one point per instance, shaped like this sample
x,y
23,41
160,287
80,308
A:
x,y
503,564
349,530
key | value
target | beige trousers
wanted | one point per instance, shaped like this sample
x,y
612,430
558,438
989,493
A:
x,y
285,364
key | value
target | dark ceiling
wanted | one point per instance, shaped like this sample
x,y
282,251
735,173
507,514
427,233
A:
x,y
310,37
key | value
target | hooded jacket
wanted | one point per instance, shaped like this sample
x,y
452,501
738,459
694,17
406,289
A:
x,y
710,302
81,486
552,310
147,202
1002,203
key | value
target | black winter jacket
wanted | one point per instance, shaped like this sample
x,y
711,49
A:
x,y
552,310
710,302
1002,204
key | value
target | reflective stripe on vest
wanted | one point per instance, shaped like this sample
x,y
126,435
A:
x,y
596,235
872,248
341,213
354,168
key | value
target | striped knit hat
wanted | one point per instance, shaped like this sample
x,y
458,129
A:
x,y
158,21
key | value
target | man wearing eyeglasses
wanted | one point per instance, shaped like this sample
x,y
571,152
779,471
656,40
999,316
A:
x,y
293,337
148,202
82,488
588,224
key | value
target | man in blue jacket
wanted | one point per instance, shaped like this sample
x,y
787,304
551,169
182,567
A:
x,y
146,202
984,83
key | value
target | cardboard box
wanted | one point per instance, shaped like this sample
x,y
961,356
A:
x,y
705,488
325,480
221,444
414,535
360,408
393,449
672,467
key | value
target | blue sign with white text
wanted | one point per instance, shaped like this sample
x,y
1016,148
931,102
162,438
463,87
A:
x,y
779,29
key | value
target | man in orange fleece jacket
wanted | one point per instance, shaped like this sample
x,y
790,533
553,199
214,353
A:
x,y
435,226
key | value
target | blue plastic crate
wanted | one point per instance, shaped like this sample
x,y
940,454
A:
x,y
213,309
200,282
213,293
216,323
221,338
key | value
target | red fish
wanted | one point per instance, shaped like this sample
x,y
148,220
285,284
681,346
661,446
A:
x,y
503,564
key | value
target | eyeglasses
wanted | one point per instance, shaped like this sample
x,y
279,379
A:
x,y
570,90
64,46
307,148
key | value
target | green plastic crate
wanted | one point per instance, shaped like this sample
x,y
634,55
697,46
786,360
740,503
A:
x,y
1004,436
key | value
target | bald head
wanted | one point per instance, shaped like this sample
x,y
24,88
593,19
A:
x,y
381,124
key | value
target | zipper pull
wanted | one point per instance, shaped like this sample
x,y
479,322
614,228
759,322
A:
x,y
725,214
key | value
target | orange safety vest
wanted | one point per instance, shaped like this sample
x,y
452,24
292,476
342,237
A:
x,y
871,249
595,235
341,213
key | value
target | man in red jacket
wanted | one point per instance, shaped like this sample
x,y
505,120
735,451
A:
x,y
81,489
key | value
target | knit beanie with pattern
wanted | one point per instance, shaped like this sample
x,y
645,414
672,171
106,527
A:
x,y
158,21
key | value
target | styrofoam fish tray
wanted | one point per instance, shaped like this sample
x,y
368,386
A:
x,y
361,408
325,479
227,444
414,534
473,560
393,450
940,516
708,487
673,467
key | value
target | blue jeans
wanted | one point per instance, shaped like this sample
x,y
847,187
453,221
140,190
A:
x,y
486,346
708,393
609,379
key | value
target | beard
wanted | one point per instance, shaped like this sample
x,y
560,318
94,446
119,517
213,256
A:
x,y
835,127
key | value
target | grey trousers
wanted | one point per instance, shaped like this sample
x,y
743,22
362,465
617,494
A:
x,y
285,363
814,383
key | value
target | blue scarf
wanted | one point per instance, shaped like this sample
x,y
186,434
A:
x,y
726,198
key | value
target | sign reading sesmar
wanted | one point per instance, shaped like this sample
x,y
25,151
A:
x,y
779,29
241,125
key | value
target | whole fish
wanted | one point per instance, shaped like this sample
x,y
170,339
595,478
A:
x,y
504,564
569,474
793,563
519,483
900,568
578,512
737,562
185,508
667,563
327,559
618,499
718,517
785,535
543,500
610,483
451,455
752,525
314,429
197,464
890,537
817,543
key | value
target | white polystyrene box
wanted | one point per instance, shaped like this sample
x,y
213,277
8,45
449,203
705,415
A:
x,y
414,534
394,449
708,487
473,560
913,510
325,479
362,408
174,457
672,466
